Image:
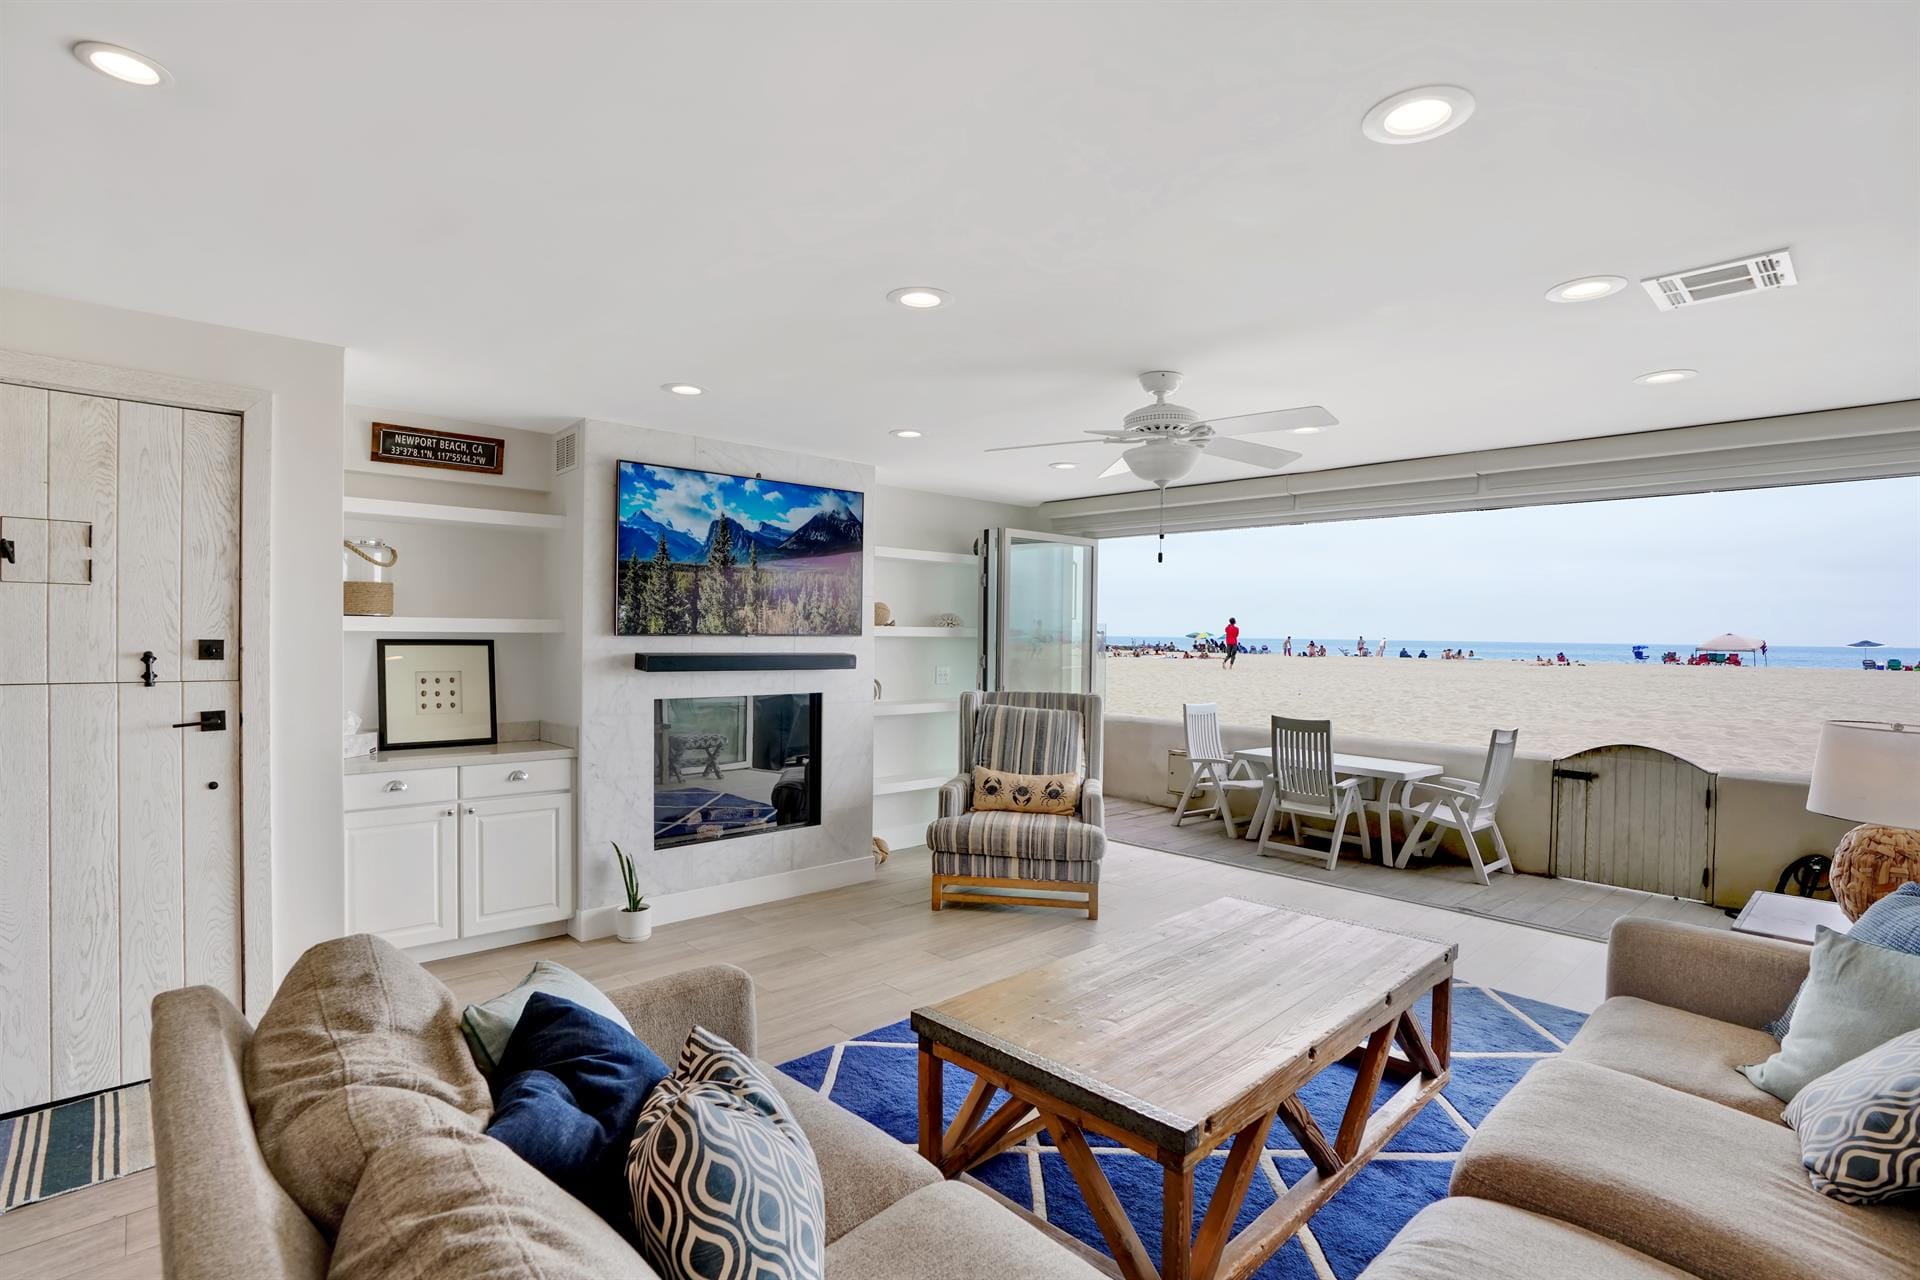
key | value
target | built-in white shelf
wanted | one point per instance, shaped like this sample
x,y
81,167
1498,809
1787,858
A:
x,y
903,783
925,633
904,836
930,707
926,557
452,626
439,513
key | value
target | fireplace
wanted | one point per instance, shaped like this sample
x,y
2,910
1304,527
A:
x,y
734,766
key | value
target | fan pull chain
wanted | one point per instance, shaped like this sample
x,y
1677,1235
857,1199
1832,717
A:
x,y
1160,554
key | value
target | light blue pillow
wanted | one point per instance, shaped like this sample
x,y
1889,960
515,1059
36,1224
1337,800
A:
x,y
1859,1125
1893,922
1856,997
489,1025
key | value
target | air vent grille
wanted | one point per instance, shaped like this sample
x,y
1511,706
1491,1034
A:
x,y
1757,274
566,452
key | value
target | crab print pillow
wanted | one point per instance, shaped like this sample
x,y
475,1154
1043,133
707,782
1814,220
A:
x,y
1056,793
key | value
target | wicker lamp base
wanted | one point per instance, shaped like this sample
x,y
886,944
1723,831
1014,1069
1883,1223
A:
x,y
1869,863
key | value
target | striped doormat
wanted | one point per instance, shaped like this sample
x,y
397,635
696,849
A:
x,y
75,1144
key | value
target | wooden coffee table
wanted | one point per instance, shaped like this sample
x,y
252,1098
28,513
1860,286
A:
x,y
1201,1029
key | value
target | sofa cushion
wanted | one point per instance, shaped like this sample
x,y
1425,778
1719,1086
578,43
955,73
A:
x,y
724,1182
862,1170
1681,1050
489,1024
360,1046
456,1203
1689,1182
950,1231
1037,836
1461,1236
1859,1125
1856,996
1029,739
1893,923
571,1084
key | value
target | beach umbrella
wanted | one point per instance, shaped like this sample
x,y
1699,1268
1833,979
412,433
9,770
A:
x,y
1199,635
1866,644
1728,642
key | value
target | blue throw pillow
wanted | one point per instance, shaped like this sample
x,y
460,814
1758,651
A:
x,y
1859,1125
1893,923
569,1087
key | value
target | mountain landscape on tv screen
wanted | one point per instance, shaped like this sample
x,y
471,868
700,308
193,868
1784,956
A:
x,y
704,553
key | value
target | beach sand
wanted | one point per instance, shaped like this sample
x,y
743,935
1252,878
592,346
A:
x,y
1764,719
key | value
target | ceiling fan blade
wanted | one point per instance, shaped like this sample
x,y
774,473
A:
x,y
1118,468
1248,424
1256,455
1044,444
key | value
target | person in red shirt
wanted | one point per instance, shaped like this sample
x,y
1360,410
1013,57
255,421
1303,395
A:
x,y
1233,641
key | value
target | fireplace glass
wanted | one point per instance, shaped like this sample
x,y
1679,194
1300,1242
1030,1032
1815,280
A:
x,y
734,766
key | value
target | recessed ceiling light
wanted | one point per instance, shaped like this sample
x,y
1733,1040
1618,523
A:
x,y
683,388
1661,377
121,64
920,297
906,433
1417,115
1586,288
1307,431
1063,466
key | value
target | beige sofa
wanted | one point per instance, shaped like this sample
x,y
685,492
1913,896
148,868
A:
x,y
387,1172
1640,1153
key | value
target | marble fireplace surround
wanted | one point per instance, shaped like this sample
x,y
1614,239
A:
x,y
616,764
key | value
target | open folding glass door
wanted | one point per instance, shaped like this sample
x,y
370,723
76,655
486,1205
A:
x,y
1040,608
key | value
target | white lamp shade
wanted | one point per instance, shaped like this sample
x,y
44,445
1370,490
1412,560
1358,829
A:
x,y
1867,771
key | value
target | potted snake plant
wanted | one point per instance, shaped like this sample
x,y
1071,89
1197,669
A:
x,y
635,920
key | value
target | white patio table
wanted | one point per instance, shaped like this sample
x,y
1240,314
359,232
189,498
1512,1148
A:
x,y
1390,779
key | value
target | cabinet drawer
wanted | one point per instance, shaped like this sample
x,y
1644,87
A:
x,y
480,780
392,788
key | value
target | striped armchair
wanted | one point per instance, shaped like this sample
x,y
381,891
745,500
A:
x,y
995,850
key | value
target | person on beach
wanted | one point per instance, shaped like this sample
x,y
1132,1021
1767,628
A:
x,y
1286,647
1233,641
1361,645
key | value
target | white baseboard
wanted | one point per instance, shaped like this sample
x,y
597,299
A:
x,y
489,941
689,904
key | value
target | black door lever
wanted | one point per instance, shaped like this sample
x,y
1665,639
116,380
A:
x,y
209,722
6,551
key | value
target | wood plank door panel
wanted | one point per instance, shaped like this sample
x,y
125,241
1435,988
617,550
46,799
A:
x,y
84,783
212,807
210,551
23,499
82,483
1635,818
148,581
25,1016
152,880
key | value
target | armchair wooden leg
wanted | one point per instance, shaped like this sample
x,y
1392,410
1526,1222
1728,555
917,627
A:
x,y
939,885
1093,902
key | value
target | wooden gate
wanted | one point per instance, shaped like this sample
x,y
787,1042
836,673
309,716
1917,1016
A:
x,y
1636,818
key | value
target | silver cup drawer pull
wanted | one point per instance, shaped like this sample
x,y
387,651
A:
x,y
518,775
396,785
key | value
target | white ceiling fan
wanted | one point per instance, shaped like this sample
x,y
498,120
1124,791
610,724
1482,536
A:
x,y
1166,440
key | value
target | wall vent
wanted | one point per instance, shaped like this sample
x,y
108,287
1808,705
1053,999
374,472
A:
x,y
566,452
1763,271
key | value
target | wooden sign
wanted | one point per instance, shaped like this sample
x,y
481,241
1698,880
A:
x,y
418,447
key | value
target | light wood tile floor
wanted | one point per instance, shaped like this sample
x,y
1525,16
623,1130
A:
x,y
832,965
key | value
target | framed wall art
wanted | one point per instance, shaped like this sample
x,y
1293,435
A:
x,y
436,693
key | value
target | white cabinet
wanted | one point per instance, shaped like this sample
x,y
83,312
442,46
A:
x,y
403,868
516,860
495,854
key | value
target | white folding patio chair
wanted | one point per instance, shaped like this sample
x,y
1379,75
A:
x,y
1211,769
1463,805
1302,785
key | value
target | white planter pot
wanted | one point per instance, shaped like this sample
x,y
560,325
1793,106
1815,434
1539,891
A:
x,y
633,926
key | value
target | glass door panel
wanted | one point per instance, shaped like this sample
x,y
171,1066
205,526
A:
x,y
1044,593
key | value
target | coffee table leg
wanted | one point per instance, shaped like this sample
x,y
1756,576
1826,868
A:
x,y
932,1105
1176,1223
1442,1037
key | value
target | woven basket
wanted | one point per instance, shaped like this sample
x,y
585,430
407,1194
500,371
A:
x,y
367,599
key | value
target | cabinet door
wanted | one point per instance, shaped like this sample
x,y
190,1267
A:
x,y
403,874
516,862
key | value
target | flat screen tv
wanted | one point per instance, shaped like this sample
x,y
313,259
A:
x,y
704,553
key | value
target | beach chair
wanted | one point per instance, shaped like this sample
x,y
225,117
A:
x,y
1302,785
1210,769
1460,804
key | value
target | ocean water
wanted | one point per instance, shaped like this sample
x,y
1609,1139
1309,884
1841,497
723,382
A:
x,y
1786,655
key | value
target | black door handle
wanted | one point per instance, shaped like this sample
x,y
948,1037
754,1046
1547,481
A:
x,y
6,551
209,722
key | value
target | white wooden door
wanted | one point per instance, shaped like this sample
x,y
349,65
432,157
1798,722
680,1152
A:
x,y
119,828
516,865
403,874
1634,817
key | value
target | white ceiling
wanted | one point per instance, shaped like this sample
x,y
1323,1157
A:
x,y
526,213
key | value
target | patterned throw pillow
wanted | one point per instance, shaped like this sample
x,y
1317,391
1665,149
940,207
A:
x,y
1025,792
1893,923
725,1185
1859,1125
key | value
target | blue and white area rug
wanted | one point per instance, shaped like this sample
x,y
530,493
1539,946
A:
x,y
71,1145
1496,1039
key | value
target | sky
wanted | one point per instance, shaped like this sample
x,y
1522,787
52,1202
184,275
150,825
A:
x,y
1813,565
690,501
